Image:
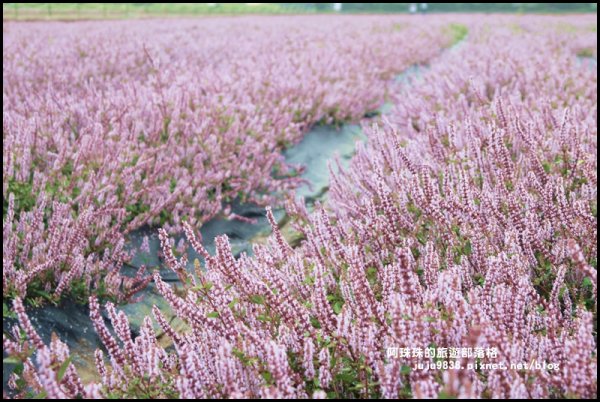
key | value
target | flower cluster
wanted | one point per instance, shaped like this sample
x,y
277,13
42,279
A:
x,y
468,220
109,126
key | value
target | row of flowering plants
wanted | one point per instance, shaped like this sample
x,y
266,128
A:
x,y
467,223
110,126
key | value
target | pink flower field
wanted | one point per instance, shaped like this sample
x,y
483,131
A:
x,y
454,255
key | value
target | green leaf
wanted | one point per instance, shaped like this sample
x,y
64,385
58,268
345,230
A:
x,y
309,280
257,299
238,353
44,294
467,249
337,306
233,302
11,360
41,395
267,376
213,314
263,318
7,312
63,369
445,395
346,377
372,274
